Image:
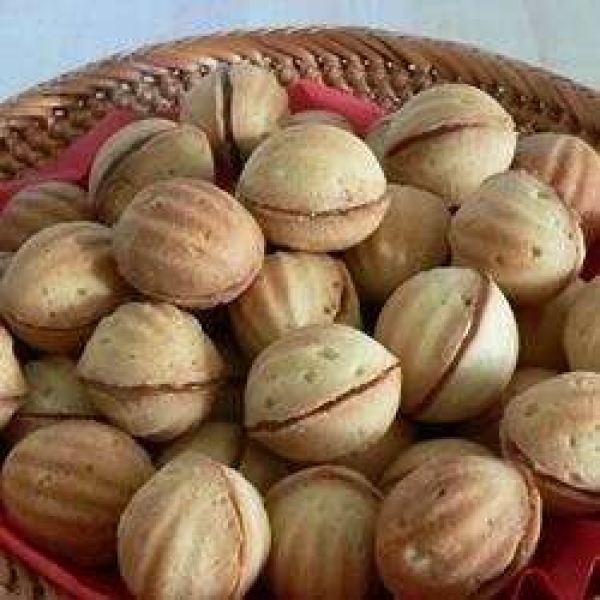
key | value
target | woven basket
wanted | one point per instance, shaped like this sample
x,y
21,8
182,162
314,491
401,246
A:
x,y
386,67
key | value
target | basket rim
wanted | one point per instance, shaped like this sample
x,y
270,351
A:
x,y
382,65
128,54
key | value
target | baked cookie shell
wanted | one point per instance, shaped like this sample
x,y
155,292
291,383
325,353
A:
x,y
435,141
292,290
323,501
39,206
174,243
226,513
397,249
141,154
571,167
437,533
66,493
516,229
553,429
321,392
60,283
443,324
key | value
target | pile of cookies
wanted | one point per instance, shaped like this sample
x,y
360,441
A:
x,y
364,365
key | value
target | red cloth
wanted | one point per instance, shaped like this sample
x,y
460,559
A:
x,y
307,94
564,567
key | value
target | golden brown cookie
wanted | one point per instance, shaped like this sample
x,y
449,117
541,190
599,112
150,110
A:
x,y
151,370
553,428
237,107
571,167
54,394
188,242
143,153
323,527
197,529
456,339
60,283
415,456
411,238
542,329
292,290
517,229
321,392
458,528
447,139
38,206
581,329
314,187
65,486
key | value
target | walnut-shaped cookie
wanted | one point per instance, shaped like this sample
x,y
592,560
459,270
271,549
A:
x,y
517,229
457,528
553,428
411,238
323,527
237,107
152,370
418,454
188,242
314,187
581,330
39,206
65,486
542,329
321,392
60,283
447,139
197,529
142,153
292,290
55,394
456,339
571,167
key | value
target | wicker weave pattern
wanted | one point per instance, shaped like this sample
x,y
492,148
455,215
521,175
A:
x,y
383,66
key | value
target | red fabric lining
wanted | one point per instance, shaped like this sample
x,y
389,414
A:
x,y
307,94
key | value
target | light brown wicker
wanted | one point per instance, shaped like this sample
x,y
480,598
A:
x,y
384,66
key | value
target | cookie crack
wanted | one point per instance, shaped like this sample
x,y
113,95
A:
x,y
276,425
